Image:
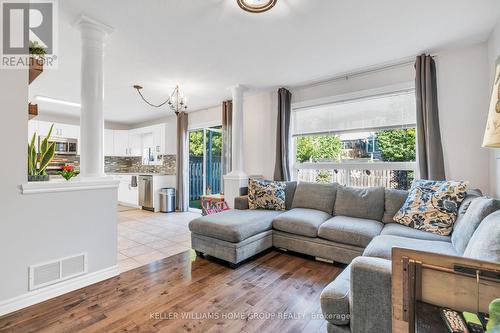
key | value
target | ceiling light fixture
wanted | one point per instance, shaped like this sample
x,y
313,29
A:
x,y
56,101
177,102
256,6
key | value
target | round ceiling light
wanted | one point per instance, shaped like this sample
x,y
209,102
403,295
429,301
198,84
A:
x,y
256,6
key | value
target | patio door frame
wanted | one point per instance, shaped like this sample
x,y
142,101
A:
x,y
194,128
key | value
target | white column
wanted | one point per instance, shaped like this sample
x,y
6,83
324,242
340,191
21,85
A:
x,y
92,96
237,178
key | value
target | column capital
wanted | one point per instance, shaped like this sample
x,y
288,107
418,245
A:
x,y
88,24
237,89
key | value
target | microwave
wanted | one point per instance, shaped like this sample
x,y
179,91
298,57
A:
x,y
64,146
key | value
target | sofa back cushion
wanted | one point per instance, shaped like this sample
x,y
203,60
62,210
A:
x,y
485,244
289,194
315,196
394,200
362,202
469,218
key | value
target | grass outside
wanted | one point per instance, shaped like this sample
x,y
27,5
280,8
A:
x,y
195,204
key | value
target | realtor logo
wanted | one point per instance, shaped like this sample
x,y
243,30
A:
x,y
29,30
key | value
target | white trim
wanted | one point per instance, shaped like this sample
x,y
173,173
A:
x,y
391,89
43,294
83,184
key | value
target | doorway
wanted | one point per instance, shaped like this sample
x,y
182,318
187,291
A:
x,y
205,163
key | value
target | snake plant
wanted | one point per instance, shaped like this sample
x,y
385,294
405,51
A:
x,y
39,159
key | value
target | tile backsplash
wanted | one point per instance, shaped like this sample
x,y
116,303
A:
x,y
115,164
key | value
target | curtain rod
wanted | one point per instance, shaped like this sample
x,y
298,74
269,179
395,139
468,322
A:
x,y
361,72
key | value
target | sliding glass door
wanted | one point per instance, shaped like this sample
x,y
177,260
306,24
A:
x,y
205,155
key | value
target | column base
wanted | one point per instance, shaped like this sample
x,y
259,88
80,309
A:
x,y
233,182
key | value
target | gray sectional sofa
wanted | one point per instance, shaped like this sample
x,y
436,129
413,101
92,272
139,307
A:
x,y
352,226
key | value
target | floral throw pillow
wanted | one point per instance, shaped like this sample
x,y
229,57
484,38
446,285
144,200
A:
x,y
266,195
432,206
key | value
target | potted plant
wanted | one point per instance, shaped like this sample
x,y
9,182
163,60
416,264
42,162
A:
x,y
37,55
39,159
68,172
494,311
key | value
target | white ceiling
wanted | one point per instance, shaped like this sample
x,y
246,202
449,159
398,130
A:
x,y
210,45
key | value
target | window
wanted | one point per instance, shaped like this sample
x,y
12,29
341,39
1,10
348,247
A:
x,y
364,141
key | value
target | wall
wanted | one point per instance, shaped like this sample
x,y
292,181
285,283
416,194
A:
x,y
463,107
41,227
205,118
493,55
260,119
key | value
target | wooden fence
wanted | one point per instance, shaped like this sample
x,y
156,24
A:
x,y
213,181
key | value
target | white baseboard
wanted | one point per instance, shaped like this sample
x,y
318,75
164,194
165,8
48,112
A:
x,y
43,294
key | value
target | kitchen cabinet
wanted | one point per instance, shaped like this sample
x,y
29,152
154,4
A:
x,y
135,143
109,142
120,143
42,128
126,143
127,194
170,138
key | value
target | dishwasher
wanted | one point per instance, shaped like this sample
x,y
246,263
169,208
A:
x,y
146,194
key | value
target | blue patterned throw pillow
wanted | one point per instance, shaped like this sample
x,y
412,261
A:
x,y
264,194
432,206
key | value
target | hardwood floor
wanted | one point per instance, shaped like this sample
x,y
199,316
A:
x,y
276,292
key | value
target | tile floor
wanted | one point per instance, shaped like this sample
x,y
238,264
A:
x,y
144,237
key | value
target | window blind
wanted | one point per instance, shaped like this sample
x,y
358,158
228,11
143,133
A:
x,y
395,110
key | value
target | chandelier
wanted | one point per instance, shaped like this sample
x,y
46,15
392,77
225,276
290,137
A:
x,y
176,101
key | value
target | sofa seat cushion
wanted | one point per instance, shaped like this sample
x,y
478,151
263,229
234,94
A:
x,y
350,230
234,225
395,229
301,221
381,246
335,299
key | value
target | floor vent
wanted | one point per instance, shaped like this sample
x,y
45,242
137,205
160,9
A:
x,y
48,273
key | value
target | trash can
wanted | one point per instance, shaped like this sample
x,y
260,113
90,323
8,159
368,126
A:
x,y
167,200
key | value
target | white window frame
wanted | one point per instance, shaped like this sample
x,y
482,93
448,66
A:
x,y
391,89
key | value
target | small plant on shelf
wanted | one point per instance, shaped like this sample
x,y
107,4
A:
x,y
68,172
37,50
39,157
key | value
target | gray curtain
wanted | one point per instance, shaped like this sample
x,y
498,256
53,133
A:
x,y
429,147
282,167
227,127
182,168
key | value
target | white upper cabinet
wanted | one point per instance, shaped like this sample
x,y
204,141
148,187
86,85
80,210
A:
x,y
170,138
120,143
135,143
109,142
42,128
